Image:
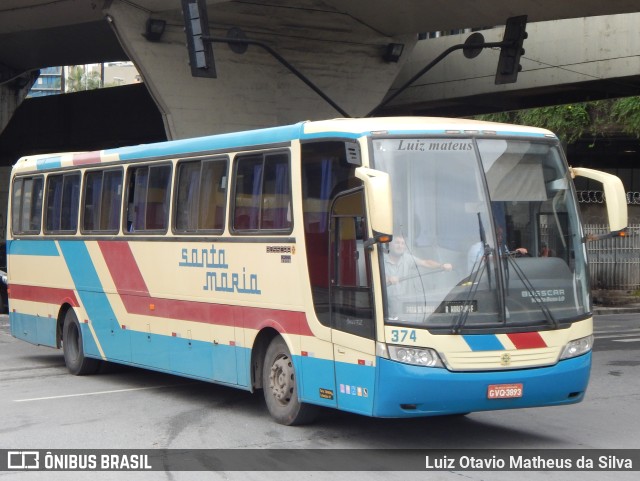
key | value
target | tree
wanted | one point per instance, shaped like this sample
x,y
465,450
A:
x,y
80,79
572,121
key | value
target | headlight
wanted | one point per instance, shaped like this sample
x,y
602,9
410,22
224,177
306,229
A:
x,y
415,355
577,347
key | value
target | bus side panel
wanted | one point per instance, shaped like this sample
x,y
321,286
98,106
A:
x,y
225,364
34,309
317,380
88,341
356,387
34,329
112,334
151,350
192,357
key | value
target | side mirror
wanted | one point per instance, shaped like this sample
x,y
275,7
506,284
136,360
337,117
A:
x,y
615,196
377,187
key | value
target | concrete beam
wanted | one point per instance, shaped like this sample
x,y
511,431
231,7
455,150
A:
x,y
600,55
338,54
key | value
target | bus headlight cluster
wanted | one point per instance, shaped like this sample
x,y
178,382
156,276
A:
x,y
416,356
577,347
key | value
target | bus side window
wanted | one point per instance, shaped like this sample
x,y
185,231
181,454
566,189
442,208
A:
x,y
63,196
262,196
148,198
101,201
200,195
27,205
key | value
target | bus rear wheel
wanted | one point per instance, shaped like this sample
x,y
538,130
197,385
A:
x,y
280,388
72,347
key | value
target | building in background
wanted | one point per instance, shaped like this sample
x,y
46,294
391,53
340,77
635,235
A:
x,y
73,78
50,82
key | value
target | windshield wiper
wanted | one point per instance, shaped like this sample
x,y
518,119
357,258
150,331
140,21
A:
x,y
479,266
474,278
533,293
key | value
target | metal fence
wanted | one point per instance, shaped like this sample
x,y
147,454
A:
x,y
615,262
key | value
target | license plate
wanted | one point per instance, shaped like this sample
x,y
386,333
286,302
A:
x,y
504,391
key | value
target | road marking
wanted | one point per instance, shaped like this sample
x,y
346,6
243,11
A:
x,y
607,331
633,339
611,336
97,393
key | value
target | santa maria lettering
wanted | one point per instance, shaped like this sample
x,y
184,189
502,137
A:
x,y
218,277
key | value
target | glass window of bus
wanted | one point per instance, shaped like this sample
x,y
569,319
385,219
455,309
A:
x,y
440,212
63,196
262,195
27,205
102,201
326,172
201,188
533,205
351,297
148,198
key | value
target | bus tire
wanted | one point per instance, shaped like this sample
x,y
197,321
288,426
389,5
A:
x,y
72,347
280,387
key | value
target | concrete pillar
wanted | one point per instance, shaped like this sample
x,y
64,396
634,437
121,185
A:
x,y
12,94
339,55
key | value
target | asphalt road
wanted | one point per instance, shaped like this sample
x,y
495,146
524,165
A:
x,y
43,407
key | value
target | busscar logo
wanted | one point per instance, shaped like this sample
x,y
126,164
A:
x,y
23,460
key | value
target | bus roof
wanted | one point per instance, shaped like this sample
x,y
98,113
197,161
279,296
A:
x,y
308,130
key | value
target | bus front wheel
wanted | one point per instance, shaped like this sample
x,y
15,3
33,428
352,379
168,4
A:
x,y
74,357
280,389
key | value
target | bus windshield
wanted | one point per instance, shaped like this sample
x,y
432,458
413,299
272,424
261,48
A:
x,y
486,235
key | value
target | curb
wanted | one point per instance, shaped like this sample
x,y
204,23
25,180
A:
x,y
628,309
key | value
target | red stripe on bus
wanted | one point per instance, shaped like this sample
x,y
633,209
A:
x,y
124,269
527,340
87,158
135,296
47,295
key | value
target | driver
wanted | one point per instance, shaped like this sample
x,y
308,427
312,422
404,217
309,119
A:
x,y
402,274
398,264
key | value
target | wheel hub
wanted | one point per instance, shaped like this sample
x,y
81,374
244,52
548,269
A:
x,y
281,380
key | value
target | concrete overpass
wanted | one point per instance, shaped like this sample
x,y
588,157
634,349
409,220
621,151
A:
x,y
338,44
565,61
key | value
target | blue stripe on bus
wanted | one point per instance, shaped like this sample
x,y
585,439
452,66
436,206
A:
x,y
411,391
49,163
213,142
347,386
316,376
112,338
184,357
333,135
355,385
37,330
272,135
24,247
483,342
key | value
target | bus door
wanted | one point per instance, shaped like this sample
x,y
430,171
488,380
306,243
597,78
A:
x,y
351,303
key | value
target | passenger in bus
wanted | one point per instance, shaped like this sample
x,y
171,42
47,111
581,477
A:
x,y
477,251
544,250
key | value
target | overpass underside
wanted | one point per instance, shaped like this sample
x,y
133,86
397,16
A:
x,y
565,61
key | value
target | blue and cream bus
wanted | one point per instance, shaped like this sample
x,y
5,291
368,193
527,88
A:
x,y
391,267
